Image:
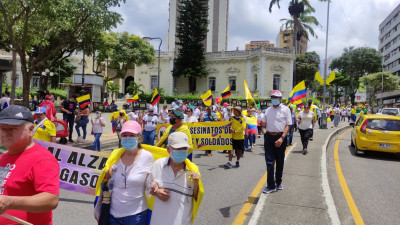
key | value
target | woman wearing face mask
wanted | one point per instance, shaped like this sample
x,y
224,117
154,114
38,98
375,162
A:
x,y
127,169
98,124
120,120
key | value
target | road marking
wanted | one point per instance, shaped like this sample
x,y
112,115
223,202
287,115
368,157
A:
x,y
241,217
350,201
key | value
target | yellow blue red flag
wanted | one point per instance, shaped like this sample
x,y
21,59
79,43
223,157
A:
x,y
227,92
83,100
207,98
155,98
249,97
298,92
133,99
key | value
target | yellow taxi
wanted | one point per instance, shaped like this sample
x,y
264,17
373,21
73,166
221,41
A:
x,y
376,133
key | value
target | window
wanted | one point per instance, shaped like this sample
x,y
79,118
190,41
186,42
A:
x,y
286,41
153,82
277,82
232,83
211,83
255,81
286,34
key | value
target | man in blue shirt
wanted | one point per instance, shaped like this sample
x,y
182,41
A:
x,y
209,117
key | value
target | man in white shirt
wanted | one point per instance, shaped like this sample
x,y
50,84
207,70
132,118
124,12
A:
x,y
150,121
277,120
196,112
4,102
172,186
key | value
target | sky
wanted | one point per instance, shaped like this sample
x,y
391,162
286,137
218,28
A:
x,y
352,22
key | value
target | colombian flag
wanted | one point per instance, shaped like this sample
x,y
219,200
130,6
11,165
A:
x,y
299,92
133,99
227,92
83,100
207,98
249,97
155,98
252,125
298,103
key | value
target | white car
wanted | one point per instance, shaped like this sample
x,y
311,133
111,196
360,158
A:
x,y
390,111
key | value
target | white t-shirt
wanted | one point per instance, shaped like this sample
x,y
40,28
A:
x,y
178,208
306,120
97,128
128,197
150,122
196,113
277,119
190,119
133,116
164,114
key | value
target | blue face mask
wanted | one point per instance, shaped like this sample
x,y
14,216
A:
x,y
179,155
129,143
275,101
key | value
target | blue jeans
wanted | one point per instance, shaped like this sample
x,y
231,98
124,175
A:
x,y
137,219
252,139
148,137
246,142
82,124
274,154
96,143
289,136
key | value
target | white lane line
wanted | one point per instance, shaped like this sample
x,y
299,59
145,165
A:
x,y
258,210
326,189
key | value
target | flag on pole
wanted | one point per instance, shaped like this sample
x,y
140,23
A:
x,y
319,78
298,103
133,99
207,98
298,92
249,97
83,100
330,78
227,92
155,98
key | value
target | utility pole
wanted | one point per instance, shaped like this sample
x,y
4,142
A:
x,y
323,115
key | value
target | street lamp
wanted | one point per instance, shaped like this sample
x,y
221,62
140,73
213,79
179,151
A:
x,y
159,51
323,115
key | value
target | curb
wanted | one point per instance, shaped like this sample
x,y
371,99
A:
x,y
89,145
331,207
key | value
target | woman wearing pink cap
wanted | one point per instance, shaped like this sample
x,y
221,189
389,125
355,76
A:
x,y
126,171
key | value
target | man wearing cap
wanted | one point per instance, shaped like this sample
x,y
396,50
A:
x,y
150,121
176,184
44,129
68,108
176,121
50,108
277,120
31,188
237,129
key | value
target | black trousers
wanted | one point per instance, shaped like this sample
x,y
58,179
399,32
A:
x,y
274,154
70,122
305,136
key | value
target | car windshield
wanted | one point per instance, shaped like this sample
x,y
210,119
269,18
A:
x,y
390,111
383,124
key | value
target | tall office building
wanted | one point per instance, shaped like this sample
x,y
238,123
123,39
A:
x,y
389,41
285,40
217,36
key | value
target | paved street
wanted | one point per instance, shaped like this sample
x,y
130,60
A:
x,y
373,180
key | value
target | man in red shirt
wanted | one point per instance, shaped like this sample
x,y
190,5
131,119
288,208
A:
x,y
50,108
29,173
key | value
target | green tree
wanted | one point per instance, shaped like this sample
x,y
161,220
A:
x,y
45,31
305,23
296,8
306,66
64,70
191,33
357,63
374,82
114,88
135,88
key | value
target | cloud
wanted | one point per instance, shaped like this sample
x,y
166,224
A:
x,y
352,22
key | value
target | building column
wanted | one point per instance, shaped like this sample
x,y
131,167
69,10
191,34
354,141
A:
x,y
291,75
170,89
249,76
261,77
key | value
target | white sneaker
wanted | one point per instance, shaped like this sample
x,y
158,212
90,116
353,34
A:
x,y
79,139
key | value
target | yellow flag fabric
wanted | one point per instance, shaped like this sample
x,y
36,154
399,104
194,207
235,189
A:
x,y
157,154
207,98
330,78
319,78
249,97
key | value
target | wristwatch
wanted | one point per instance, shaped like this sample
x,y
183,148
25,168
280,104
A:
x,y
283,138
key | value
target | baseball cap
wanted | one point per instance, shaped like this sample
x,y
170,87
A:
x,y
276,93
178,140
47,96
131,127
15,115
40,110
238,108
178,114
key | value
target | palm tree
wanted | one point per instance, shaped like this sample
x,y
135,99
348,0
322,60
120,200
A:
x,y
114,88
304,26
135,88
296,8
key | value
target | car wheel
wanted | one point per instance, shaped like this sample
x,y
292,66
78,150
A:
x,y
352,143
357,151
63,141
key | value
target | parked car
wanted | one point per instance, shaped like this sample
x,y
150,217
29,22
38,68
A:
x,y
376,133
391,111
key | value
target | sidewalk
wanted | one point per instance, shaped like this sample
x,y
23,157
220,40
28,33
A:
x,y
302,201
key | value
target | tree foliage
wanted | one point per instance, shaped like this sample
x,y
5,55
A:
x,y
357,62
114,88
306,21
43,32
306,66
191,33
374,82
135,88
